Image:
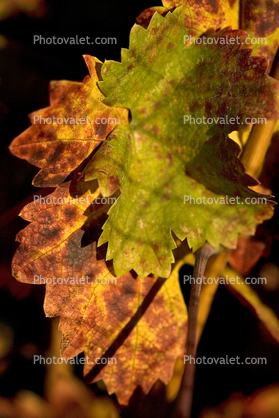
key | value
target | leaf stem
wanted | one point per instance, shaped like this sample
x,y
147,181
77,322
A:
x,y
185,396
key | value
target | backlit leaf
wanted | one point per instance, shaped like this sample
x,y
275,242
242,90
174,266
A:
x,y
139,324
158,159
66,132
199,16
261,20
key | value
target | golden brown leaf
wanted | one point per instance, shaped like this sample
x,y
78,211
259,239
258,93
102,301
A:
x,y
199,16
261,20
131,330
246,255
66,132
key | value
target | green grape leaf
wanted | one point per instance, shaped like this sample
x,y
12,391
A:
x,y
162,164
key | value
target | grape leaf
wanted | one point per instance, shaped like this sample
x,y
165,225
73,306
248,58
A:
x,y
199,16
140,323
66,132
160,80
52,224
152,164
261,20
246,255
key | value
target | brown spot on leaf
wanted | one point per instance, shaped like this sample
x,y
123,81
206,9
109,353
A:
x,y
265,22
38,154
69,213
170,46
47,218
143,110
100,129
155,130
56,154
170,158
114,183
212,6
51,233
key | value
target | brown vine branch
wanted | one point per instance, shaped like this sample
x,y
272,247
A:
x,y
185,396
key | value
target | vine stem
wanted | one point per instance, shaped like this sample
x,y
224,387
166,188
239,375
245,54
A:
x,y
185,396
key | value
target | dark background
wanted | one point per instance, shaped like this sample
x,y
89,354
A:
x,y
25,71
